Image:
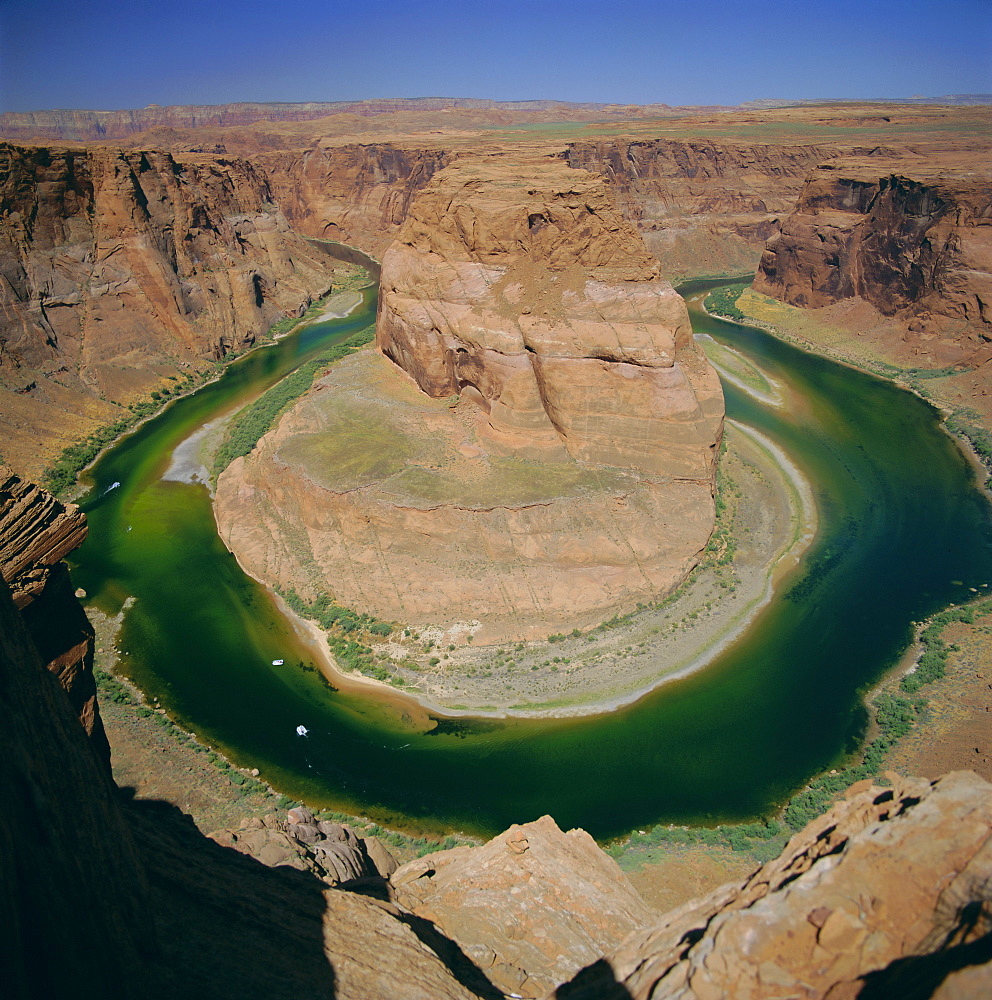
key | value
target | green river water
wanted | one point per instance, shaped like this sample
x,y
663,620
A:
x,y
903,532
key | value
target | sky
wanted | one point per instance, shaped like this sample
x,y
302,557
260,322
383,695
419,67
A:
x,y
107,54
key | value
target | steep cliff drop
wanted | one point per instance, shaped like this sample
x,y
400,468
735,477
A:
x,y
36,533
540,453
123,269
910,236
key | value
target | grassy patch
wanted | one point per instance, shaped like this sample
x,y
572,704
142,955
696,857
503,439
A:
x,y
245,431
723,301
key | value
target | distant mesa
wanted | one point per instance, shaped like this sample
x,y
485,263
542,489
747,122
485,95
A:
x,y
534,446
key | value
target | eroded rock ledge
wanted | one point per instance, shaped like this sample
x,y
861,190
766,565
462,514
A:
x,y
910,235
540,454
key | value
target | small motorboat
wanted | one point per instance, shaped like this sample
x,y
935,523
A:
x,y
302,731
278,663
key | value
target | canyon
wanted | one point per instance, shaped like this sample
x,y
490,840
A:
x,y
126,268
885,890
557,465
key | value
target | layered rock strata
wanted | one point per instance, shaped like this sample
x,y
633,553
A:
x,y
541,451
910,236
36,533
703,206
123,268
523,288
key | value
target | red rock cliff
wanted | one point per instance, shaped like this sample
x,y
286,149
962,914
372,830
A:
x,y
703,206
36,533
912,237
522,286
123,267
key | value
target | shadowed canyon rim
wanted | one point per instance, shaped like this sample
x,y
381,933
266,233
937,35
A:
x,y
524,279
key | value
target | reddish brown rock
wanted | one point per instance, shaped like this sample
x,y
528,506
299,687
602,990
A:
x,y
911,236
885,895
522,286
123,268
551,461
36,533
529,908
330,851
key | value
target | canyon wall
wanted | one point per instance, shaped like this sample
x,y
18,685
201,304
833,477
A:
x,y
911,236
704,206
355,193
36,533
122,268
542,447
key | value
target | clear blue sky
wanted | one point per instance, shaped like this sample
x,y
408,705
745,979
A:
x,y
109,54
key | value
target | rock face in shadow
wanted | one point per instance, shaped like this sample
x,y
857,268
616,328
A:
x,y
911,236
885,895
74,907
122,268
540,452
531,907
36,533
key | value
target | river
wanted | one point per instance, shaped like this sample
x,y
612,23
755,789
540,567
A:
x,y
903,532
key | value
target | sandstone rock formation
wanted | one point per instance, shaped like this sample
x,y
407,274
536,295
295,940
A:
x,y
911,236
122,268
522,287
331,851
885,895
552,460
703,206
74,917
358,193
36,533
530,908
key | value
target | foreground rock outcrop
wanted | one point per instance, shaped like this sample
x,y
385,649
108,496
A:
x,y
331,851
911,236
530,908
36,533
885,895
540,453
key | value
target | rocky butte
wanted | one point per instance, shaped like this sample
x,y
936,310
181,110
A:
x,y
533,447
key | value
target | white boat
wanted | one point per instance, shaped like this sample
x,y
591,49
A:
x,y
278,663
301,730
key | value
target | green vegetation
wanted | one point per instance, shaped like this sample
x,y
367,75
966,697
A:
x,y
345,630
967,423
723,302
255,420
